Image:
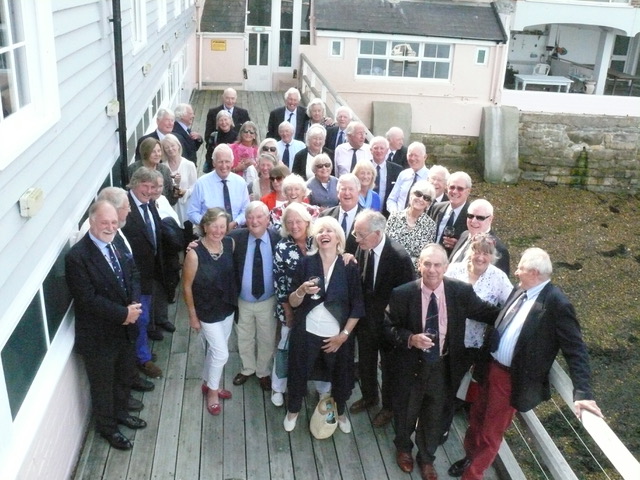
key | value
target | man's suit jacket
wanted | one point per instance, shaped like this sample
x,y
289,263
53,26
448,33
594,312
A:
x,y
334,212
300,162
332,137
394,269
503,263
239,116
459,226
149,263
100,302
400,157
403,318
240,238
277,116
153,134
393,171
434,205
189,145
551,325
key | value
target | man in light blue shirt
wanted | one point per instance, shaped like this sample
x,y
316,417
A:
x,y
209,190
416,157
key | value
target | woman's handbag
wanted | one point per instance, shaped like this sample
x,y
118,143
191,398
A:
x,y
282,360
323,421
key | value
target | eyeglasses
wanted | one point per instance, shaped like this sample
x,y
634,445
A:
x,y
269,149
424,196
457,187
323,165
480,218
360,236
276,179
250,132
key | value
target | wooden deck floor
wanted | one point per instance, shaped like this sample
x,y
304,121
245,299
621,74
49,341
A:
x,y
247,441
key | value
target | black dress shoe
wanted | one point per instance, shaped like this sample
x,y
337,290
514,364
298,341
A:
x,y
240,379
457,469
168,326
134,405
155,335
118,440
362,404
143,385
132,422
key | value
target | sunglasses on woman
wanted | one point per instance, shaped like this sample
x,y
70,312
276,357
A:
x,y
269,149
424,196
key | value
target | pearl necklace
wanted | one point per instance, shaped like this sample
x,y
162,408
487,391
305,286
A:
x,y
215,256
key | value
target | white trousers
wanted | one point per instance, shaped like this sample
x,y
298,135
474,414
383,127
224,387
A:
x,y
215,337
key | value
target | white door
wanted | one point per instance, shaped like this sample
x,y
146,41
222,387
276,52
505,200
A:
x,y
257,60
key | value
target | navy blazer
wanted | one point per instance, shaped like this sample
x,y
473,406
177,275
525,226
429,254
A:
x,y
149,264
459,226
100,302
551,326
403,318
503,263
300,162
400,157
277,116
189,145
393,170
153,134
240,238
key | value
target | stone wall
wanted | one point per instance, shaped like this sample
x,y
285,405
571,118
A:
x,y
453,151
596,152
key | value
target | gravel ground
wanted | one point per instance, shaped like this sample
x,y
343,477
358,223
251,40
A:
x,y
594,243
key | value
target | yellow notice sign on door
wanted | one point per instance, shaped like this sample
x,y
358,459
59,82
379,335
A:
x,y
219,45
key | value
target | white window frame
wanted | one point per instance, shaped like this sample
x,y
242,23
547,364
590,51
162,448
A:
x,y
43,111
177,8
485,53
162,13
138,24
417,57
340,43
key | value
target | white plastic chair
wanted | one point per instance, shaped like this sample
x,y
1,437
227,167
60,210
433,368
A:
x,y
541,69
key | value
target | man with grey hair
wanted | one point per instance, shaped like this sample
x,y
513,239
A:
x,y
191,141
384,265
353,151
337,135
347,209
536,322
386,172
480,215
397,150
238,115
288,146
220,188
256,326
451,216
165,119
292,112
399,196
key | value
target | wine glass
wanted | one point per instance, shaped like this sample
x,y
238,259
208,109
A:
x,y
316,283
448,232
431,334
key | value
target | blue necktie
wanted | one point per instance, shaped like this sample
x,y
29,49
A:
x,y
113,258
149,226
344,223
340,140
376,188
227,198
432,322
285,155
415,179
257,279
354,158
290,115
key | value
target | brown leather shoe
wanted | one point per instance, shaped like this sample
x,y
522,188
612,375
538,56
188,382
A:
x,y
362,404
240,379
383,417
265,383
427,472
404,461
150,369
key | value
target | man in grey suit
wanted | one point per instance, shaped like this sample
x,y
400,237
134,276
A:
x,y
384,265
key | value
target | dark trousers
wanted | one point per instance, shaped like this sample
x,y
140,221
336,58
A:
x,y
111,371
160,308
491,415
339,365
369,344
422,402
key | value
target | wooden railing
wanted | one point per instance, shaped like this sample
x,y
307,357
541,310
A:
x,y
314,84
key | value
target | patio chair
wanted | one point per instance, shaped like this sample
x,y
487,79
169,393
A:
x,y
541,69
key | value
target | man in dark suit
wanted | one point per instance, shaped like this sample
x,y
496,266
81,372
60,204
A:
x,y
453,214
384,264
397,151
143,231
102,282
238,115
430,369
386,172
164,122
292,112
347,209
536,321
256,325
337,135
438,177
190,141
479,218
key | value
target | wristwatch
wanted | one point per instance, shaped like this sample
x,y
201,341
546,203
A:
x,y
346,332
